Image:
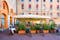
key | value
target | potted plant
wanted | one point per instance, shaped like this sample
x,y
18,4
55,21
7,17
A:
x,y
52,27
21,29
33,30
37,26
46,28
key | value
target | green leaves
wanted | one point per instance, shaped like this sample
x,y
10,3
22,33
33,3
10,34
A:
x,y
21,27
33,28
52,25
46,27
37,26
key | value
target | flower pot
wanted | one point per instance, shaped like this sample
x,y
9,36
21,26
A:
x,y
46,31
52,31
33,31
21,32
37,31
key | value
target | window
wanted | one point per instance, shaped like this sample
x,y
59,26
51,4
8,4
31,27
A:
x,y
37,0
29,0
43,13
29,13
22,6
36,6
51,0
29,6
51,14
57,7
37,13
57,0
22,0
51,7
58,14
44,0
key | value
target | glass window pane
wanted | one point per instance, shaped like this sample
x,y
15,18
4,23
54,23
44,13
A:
x,y
22,0
29,0
37,0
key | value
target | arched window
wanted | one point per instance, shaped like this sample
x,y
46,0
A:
x,y
29,6
37,6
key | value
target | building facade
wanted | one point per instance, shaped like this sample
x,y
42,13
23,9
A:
x,y
34,11
47,8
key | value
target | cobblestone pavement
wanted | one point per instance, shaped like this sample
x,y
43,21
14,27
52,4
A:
x,y
6,36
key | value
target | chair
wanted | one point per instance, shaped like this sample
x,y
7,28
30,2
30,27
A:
x,y
12,29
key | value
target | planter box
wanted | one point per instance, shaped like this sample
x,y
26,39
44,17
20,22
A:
x,y
46,31
33,31
37,31
21,32
52,31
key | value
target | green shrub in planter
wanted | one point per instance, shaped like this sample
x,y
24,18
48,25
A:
x,y
21,27
46,27
37,26
33,28
52,25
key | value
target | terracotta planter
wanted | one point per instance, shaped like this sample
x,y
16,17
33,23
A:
x,y
52,31
21,32
46,31
37,31
33,31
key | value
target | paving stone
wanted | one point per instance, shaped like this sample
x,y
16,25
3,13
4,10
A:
x,y
6,36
